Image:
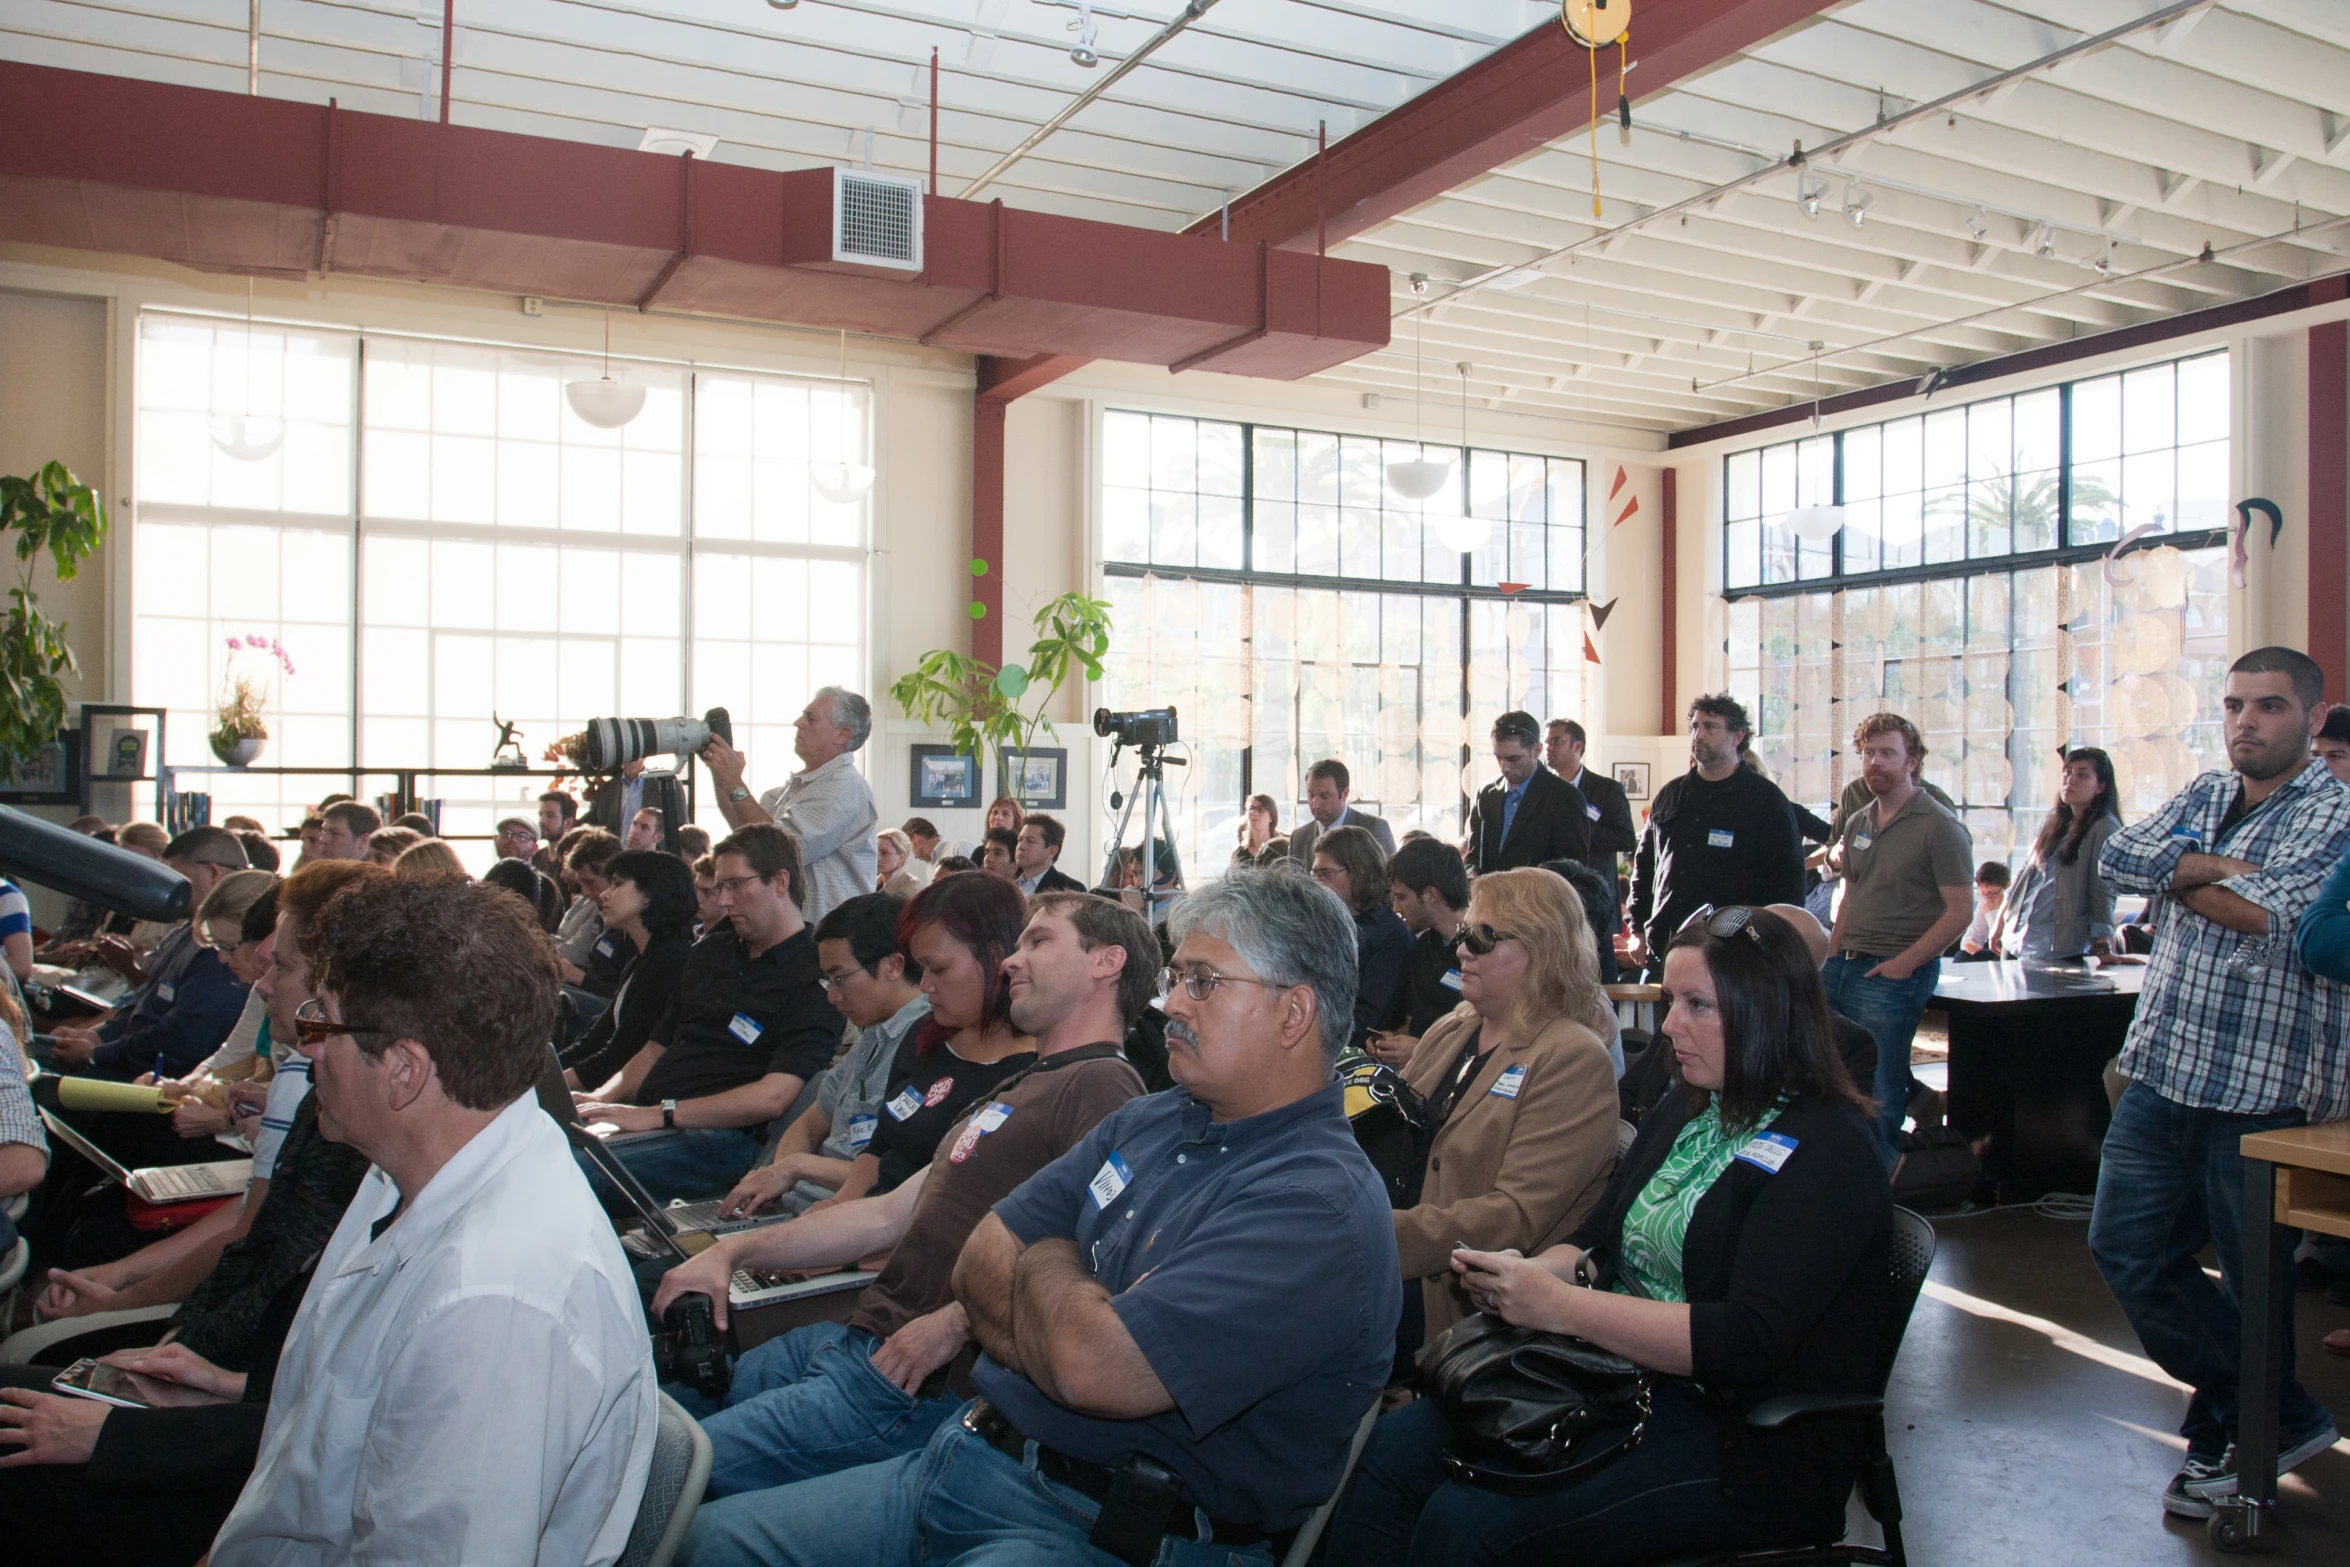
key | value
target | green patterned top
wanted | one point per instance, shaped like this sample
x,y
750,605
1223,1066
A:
x,y
1659,1216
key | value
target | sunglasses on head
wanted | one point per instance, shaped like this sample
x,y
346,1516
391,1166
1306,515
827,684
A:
x,y
1482,939
1722,924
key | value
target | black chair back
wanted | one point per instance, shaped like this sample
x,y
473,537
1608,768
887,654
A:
x,y
1913,1257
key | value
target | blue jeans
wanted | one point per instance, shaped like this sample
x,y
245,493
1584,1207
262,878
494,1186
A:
x,y
2170,1180
956,1500
1889,1009
687,1165
1662,1499
810,1403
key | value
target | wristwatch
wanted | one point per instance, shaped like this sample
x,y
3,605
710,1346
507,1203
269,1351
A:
x,y
738,792
668,1115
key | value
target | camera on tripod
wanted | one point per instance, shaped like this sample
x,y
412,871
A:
x,y
1146,730
609,744
687,1347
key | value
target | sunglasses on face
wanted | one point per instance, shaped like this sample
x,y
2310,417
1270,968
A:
x,y
1482,939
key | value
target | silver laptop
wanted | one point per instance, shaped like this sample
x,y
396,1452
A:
x,y
163,1184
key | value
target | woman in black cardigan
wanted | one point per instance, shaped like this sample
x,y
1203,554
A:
x,y
1348,862
649,897
1754,1214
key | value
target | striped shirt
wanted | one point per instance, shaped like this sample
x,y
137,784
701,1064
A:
x,y
19,1121
2226,1020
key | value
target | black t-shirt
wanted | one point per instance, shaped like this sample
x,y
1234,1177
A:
x,y
1424,996
927,1094
737,1018
607,964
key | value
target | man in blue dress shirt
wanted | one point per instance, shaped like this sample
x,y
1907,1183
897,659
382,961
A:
x,y
1184,1317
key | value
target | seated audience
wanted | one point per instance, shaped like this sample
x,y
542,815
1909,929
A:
x,y
1230,1327
1036,856
827,1397
517,877
475,1383
706,910
1004,811
1980,940
188,999
959,935
593,955
1348,862
1260,824
24,1146
1428,887
923,849
879,990
418,823
1740,1267
692,842
260,853
16,930
344,827
618,805
648,903
749,1029
234,922
517,838
646,830
2061,905
891,850
954,865
1603,911
1518,1086
997,852
385,845
2331,743
433,860
558,817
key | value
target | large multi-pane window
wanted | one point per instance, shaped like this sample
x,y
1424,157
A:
x,y
1272,586
1974,588
438,540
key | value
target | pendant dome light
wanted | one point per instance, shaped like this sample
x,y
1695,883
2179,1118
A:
x,y
607,404
1467,532
246,436
838,482
1417,478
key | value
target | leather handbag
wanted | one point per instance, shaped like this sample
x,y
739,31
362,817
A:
x,y
1532,1411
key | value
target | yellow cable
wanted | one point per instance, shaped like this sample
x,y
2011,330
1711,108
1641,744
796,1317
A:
x,y
1594,52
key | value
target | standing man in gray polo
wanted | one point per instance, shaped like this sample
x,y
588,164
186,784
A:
x,y
827,805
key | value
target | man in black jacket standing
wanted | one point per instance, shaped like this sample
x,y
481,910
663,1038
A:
x,y
1720,833
1527,815
1604,803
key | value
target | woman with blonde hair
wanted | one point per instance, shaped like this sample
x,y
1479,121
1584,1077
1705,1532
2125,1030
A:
x,y
1519,1090
431,860
892,848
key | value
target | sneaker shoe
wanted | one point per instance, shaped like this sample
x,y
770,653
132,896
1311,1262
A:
x,y
2221,1481
2180,1500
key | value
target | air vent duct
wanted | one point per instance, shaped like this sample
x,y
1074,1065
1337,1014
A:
x,y
876,220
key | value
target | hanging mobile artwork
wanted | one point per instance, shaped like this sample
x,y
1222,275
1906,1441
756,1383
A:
x,y
1595,24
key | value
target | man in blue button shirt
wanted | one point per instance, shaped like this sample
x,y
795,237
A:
x,y
1185,1316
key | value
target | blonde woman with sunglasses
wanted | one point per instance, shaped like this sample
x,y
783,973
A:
x,y
1519,1086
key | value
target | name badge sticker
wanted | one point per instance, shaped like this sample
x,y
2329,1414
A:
x,y
992,1117
904,1105
166,992
861,1131
1451,980
1507,1085
1591,811
745,1028
604,947
1768,1151
1861,840
1109,1180
979,1126
1719,837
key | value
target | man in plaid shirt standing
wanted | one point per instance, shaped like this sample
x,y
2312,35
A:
x,y
2221,1045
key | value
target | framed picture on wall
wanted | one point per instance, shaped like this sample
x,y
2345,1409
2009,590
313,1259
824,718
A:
x,y
1038,778
48,779
1633,778
944,776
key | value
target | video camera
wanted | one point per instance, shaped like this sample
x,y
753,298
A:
x,y
687,1347
84,867
1146,730
610,744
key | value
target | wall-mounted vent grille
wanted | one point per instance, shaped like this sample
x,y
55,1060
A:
x,y
876,219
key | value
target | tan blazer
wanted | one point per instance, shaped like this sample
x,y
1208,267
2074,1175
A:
x,y
1507,1171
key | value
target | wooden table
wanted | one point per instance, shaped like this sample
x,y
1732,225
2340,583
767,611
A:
x,y
2293,1180
1636,1004
2028,1048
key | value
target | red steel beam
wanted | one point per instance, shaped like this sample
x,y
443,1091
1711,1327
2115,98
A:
x,y
1669,519
1515,100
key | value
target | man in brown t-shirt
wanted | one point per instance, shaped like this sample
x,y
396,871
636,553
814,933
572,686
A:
x,y
834,1395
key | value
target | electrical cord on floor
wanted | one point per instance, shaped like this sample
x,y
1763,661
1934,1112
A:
x,y
2073,1207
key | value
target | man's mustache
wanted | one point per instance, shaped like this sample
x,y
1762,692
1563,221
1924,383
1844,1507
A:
x,y
1179,1033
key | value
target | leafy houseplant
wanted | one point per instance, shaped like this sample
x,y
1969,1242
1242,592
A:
x,y
53,511
980,705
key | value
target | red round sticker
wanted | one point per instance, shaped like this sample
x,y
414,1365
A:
x,y
938,1092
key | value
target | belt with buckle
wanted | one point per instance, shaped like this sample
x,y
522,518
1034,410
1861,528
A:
x,y
992,1426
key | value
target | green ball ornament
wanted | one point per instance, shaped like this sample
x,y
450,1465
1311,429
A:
x,y
1011,680
978,568
978,610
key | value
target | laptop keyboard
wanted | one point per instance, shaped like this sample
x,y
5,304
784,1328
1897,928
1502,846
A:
x,y
696,1215
180,1181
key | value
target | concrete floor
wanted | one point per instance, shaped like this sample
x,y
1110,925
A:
x,y
2028,1427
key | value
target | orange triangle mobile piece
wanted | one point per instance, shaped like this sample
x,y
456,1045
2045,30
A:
x,y
1513,587
1631,508
1590,653
1621,479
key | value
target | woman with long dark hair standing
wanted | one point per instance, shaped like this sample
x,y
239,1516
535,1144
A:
x,y
1259,825
2060,906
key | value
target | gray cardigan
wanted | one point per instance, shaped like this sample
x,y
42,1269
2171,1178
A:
x,y
2083,898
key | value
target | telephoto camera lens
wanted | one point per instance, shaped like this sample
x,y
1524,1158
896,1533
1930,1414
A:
x,y
612,743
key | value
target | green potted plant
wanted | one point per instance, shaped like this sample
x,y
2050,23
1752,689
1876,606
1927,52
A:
x,y
980,706
239,729
53,511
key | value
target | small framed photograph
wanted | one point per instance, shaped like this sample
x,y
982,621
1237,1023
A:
x,y
1632,777
944,776
1038,778
48,779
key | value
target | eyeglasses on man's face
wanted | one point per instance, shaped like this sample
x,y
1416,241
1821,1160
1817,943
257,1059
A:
x,y
313,1027
1200,981
733,885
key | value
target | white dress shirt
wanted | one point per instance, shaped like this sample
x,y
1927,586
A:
x,y
830,810
474,1385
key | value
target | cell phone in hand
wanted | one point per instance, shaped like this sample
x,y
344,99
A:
x,y
107,1384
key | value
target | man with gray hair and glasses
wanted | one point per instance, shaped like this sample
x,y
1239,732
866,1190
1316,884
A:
x,y
1186,1315
827,805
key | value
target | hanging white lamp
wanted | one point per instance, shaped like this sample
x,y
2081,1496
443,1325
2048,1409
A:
x,y
1467,532
607,404
248,436
1417,478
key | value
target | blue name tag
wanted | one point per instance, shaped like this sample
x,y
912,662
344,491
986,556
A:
x,y
166,992
1507,1085
1861,840
904,1105
1109,1180
1719,838
1451,980
1591,811
1767,1151
745,1028
861,1131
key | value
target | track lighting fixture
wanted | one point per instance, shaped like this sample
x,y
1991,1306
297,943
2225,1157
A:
x,y
2044,242
1083,51
2104,261
1975,224
1807,195
1857,202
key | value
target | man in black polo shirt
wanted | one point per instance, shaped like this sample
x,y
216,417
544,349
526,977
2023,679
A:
x,y
750,1026
1428,887
1720,833
1191,1309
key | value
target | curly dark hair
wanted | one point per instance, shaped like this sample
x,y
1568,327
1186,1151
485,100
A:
x,y
458,966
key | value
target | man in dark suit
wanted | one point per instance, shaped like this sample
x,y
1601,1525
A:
x,y
1527,815
1034,869
1609,812
1327,788
617,800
